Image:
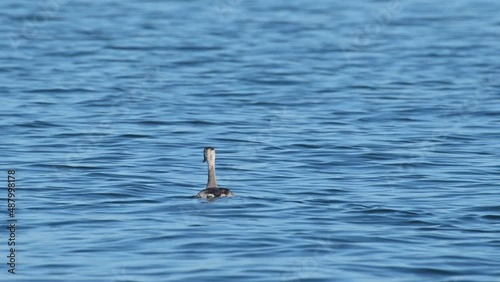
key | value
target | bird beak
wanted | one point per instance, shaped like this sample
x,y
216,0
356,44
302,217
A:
x,y
204,159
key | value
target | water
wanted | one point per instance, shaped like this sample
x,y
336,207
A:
x,y
360,139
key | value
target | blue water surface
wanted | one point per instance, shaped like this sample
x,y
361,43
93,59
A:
x,y
361,139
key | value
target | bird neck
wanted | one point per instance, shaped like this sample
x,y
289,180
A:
x,y
212,182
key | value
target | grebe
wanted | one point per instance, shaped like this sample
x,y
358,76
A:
x,y
212,191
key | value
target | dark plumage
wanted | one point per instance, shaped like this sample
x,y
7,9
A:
x,y
215,193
